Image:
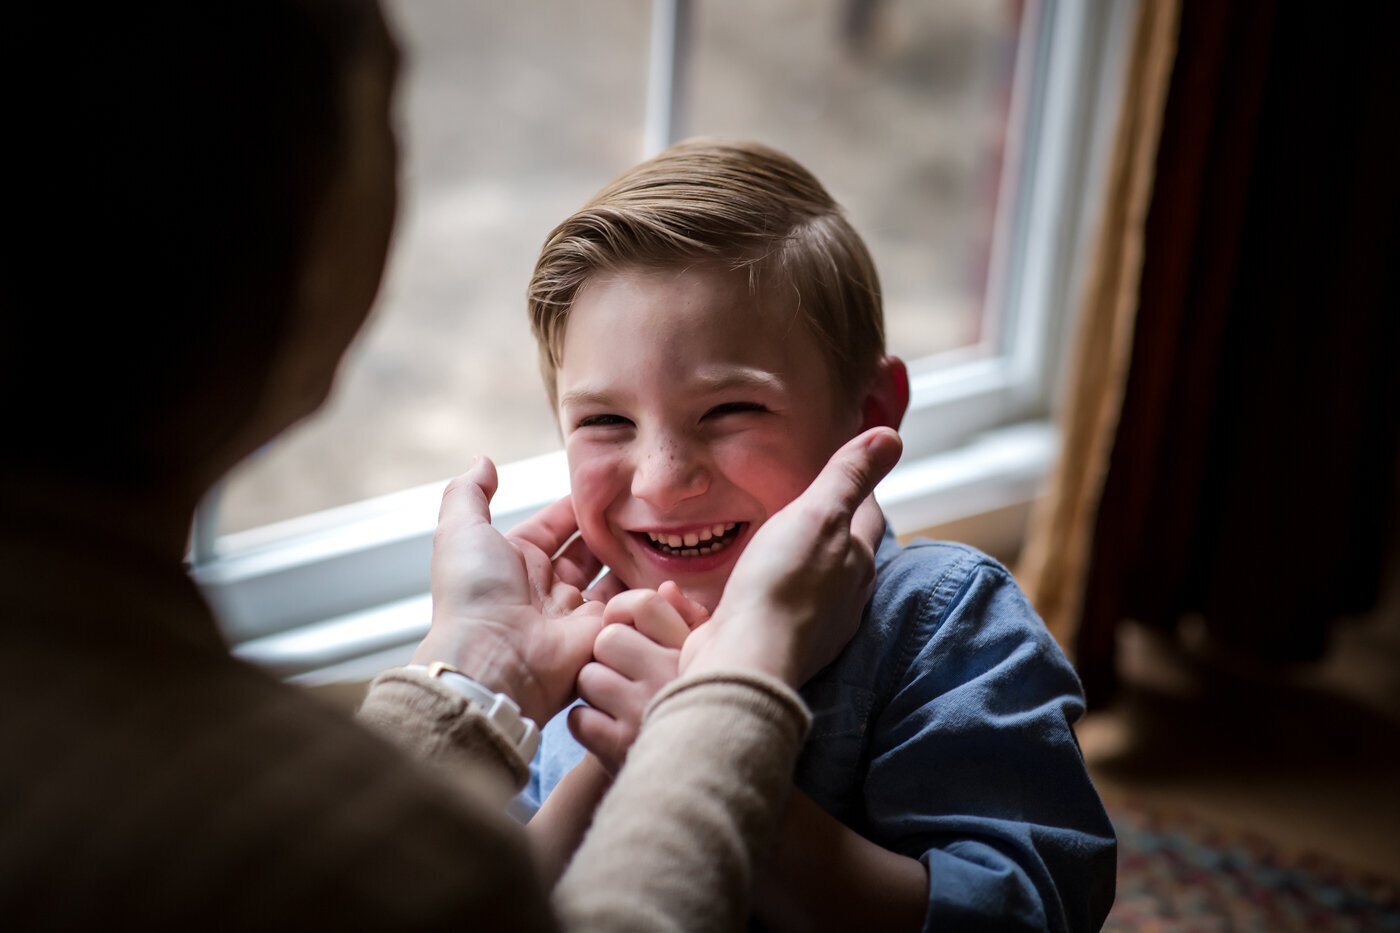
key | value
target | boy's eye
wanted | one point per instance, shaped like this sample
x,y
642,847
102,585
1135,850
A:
x,y
733,408
601,421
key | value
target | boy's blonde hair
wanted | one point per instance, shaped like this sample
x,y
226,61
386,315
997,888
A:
x,y
732,202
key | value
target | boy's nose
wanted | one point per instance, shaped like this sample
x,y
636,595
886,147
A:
x,y
667,473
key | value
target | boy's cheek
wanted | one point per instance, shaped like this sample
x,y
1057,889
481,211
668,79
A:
x,y
593,487
591,483
773,477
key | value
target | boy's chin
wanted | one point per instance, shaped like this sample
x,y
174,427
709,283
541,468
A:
x,y
708,596
705,590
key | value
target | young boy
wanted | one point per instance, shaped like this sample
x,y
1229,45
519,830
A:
x,y
711,331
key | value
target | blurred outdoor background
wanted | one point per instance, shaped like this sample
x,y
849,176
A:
x,y
512,114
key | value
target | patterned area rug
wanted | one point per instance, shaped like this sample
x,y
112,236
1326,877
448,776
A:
x,y
1179,874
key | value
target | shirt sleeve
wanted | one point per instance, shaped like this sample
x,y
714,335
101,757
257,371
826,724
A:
x,y
437,726
674,843
974,768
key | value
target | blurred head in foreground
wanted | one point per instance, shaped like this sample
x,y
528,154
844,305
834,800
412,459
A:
x,y
202,196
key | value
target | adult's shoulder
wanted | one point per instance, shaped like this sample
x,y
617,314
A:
x,y
249,798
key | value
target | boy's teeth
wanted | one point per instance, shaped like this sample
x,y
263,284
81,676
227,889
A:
x,y
693,539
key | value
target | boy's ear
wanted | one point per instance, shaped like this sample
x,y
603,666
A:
x,y
887,395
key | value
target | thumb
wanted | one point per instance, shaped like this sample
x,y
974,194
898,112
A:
x,y
850,476
868,524
574,637
467,498
692,612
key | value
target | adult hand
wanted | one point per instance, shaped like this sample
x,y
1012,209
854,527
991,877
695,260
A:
x,y
796,595
508,609
635,655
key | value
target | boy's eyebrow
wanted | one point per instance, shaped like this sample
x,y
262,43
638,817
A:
x,y
737,378
586,397
705,382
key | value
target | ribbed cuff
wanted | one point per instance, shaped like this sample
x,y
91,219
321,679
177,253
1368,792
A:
x,y
436,723
777,692
676,842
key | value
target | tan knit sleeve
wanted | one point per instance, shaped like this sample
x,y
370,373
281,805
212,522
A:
x,y
674,844
436,725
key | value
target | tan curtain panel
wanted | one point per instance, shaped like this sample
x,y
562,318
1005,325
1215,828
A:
x,y
1054,562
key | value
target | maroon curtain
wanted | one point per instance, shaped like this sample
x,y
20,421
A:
x,y
1253,473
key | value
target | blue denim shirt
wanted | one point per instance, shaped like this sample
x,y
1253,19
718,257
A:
x,y
942,732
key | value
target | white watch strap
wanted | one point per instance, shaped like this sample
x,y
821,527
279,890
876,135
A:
x,y
500,710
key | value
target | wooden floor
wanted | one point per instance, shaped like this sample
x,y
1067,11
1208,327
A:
x,y
1307,758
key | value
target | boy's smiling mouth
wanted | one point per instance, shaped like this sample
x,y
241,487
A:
x,y
700,542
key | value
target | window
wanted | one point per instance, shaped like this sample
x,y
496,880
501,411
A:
x,y
961,136
509,116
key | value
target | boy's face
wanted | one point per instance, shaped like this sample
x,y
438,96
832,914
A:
x,y
691,412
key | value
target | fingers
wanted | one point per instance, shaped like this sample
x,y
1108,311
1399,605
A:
x,y
868,524
651,614
565,598
628,671
691,612
634,655
605,689
614,711
608,739
549,528
575,563
576,632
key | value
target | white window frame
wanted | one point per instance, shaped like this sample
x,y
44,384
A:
x,y
340,594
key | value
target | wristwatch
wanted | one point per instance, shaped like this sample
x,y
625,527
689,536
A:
x,y
500,711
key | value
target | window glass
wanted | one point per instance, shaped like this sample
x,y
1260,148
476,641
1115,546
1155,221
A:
x,y
511,115
900,108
